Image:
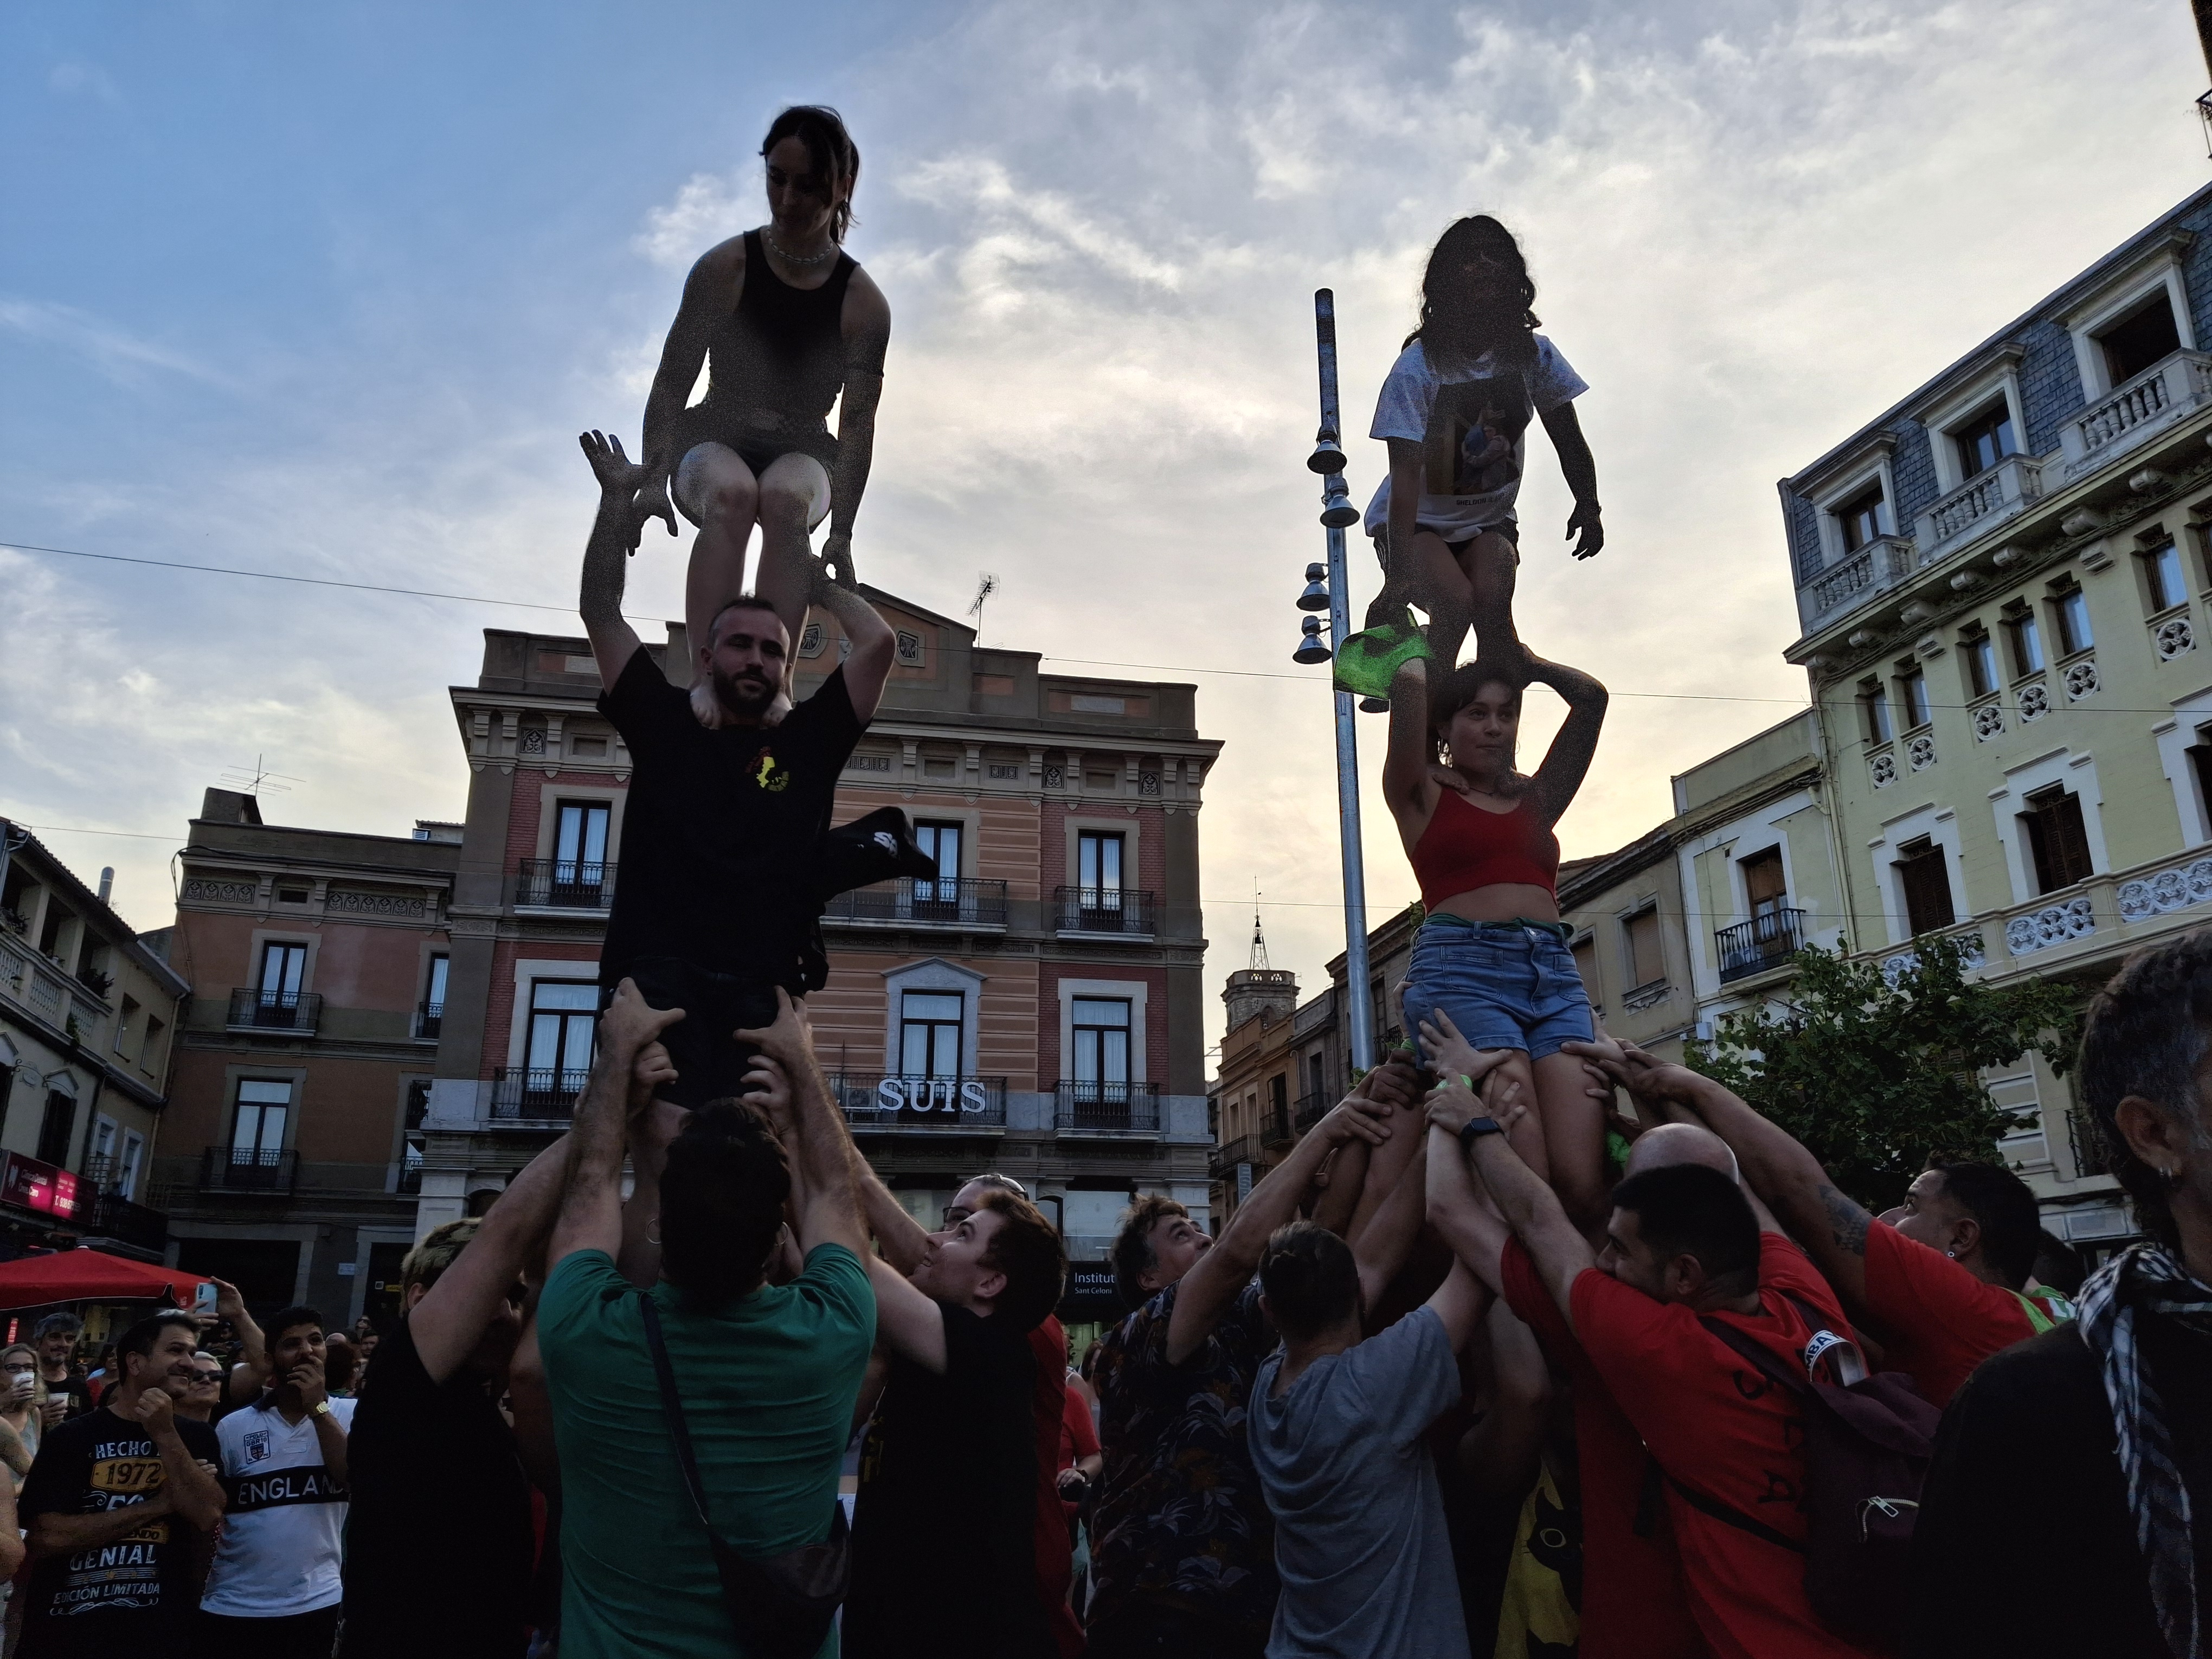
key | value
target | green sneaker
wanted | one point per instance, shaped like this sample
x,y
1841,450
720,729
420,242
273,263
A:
x,y
1368,660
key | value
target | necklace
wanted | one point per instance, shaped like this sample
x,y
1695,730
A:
x,y
776,248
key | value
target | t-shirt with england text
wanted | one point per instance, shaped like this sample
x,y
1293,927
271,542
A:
x,y
1360,1540
945,1523
1727,1431
1632,1604
1472,428
283,1517
1935,1320
112,1597
719,828
439,1547
767,1383
1182,1521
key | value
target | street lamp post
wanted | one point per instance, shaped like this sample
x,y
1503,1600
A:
x,y
1337,513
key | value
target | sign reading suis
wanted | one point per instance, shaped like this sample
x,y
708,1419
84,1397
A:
x,y
932,1094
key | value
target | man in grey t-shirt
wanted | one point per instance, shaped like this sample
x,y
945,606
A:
x,y
1335,1428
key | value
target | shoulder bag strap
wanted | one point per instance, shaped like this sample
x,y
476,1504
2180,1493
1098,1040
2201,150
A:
x,y
672,1405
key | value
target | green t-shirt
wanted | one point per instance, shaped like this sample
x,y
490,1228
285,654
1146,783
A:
x,y
768,1385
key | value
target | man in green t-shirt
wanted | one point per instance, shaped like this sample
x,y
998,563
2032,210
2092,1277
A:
x,y
768,1374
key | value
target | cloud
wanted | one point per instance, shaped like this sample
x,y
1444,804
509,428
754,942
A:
x,y
75,79
118,355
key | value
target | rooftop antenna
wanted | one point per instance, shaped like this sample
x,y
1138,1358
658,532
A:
x,y
254,779
986,585
1259,940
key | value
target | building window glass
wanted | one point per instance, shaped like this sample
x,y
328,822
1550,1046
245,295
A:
x,y
1875,708
1101,1029
126,1016
1763,883
434,991
579,853
150,1051
2200,767
55,1127
2162,576
134,1154
2057,838
1647,958
282,967
929,1033
1985,440
2073,613
1913,687
2140,339
564,1018
1981,655
1098,861
257,1126
2027,647
1925,883
940,842
1860,519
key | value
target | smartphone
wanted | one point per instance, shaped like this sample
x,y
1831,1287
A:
x,y
203,1300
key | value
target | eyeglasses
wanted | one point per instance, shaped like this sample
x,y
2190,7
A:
x,y
206,1377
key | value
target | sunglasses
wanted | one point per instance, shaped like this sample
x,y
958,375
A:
x,y
206,1377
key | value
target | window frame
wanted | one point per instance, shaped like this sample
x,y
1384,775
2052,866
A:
x,y
2160,557
1848,512
2025,640
1648,913
564,1018
1099,1046
1921,855
1912,692
1874,717
2070,612
931,1026
1977,651
1993,419
2054,818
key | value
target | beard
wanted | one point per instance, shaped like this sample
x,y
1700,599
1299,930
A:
x,y
743,694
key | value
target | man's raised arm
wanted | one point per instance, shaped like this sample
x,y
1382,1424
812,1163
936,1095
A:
x,y
606,556
591,1199
870,663
823,1155
1205,1292
1531,1209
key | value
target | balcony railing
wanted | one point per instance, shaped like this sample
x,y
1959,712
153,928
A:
x,y
939,1105
248,1170
1221,1163
429,1021
118,1218
543,1097
1981,503
2165,392
941,902
1275,1127
1766,941
1311,1108
2087,1141
1107,1108
1104,909
564,885
274,1011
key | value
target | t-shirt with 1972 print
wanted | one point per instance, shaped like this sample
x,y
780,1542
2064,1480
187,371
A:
x,y
96,1601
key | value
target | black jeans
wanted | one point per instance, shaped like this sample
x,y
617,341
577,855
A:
x,y
710,1062
1151,1630
292,1636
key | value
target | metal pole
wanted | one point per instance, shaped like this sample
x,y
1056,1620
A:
x,y
1360,1020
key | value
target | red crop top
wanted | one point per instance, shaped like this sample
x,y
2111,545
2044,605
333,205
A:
x,y
1465,847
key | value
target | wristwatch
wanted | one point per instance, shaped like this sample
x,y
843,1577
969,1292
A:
x,y
1475,1128
323,1408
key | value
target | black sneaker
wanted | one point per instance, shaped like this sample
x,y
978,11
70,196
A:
x,y
1375,705
877,847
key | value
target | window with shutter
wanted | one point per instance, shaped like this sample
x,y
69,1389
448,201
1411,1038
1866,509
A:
x,y
1926,884
2058,838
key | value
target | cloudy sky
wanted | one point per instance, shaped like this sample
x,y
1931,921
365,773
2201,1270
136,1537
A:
x,y
328,291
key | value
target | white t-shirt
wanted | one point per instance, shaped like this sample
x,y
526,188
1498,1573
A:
x,y
284,1528
1472,430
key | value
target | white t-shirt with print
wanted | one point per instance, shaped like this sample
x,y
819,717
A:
x,y
1473,429
283,1526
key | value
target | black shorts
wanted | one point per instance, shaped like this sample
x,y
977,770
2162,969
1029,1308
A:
x,y
757,447
1510,529
710,1062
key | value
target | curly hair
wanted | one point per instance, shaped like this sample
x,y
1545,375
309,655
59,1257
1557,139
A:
x,y
2147,1036
1455,326
1026,1248
1134,1256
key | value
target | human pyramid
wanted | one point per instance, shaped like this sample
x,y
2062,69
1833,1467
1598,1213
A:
x,y
1491,1362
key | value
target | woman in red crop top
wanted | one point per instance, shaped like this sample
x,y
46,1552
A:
x,y
1492,952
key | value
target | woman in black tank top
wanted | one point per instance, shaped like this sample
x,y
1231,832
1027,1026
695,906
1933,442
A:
x,y
785,322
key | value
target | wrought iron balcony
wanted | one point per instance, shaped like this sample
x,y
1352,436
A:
x,y
1311,1108
927,1105
251,1010
1123,1108
1221,1163
1767,940
1275,1127
115,1217
1104,909
940,901
564,885
248,1170
2091,1156
539,1097
429,1021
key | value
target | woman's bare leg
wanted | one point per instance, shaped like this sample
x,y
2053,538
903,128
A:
x,y
1490,564
1527,1137
717,492
1574,1137
1440,587
794,496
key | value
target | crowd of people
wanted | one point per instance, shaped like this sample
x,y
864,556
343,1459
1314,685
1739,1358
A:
x,y
1534,1344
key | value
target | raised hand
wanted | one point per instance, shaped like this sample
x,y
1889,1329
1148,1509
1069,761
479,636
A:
x,y
1355,1117
1453,1102
1451,1055
617,474
790,1038
308,1378
650,1073
767,1085
155,1410
630,1022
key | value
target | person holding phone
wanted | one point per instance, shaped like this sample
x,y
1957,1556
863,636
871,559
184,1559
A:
x,y
19,1408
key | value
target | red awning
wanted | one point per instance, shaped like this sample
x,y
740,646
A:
x,y
85,1275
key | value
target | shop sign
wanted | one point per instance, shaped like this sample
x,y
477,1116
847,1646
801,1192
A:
x,y
32,1185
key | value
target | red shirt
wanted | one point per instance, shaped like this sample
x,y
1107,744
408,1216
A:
x,y
1633,1606
1078,1439
1729,1433
1937,1320
1056,1554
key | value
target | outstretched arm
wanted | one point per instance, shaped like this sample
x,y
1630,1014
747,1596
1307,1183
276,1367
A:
x,y
1530,1209
826,1204
606,556
1212,1284
450,1319
1569,759
1388,1239
1457,1210
1580,468
591,1199
866,327
870,663
1407,789
707,296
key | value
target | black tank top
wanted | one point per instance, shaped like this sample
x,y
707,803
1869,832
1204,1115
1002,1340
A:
x,y
777,361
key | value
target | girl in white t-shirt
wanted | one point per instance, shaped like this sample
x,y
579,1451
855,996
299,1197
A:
x,y
1455,410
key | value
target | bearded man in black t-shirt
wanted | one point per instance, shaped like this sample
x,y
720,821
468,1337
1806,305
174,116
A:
x,y
723,833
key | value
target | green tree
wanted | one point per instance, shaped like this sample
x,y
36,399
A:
x,y
1876,1076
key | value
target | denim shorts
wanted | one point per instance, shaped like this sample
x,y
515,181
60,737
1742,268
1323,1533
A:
x,y
1504,985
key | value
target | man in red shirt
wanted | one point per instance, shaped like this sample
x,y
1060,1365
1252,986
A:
x,y
1940,1281
1683,1247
